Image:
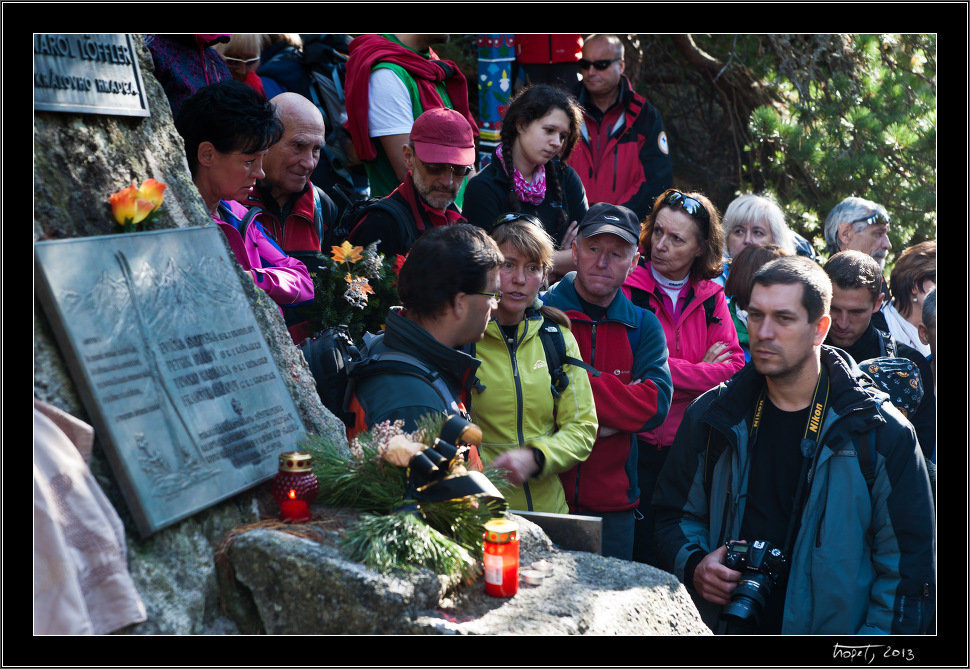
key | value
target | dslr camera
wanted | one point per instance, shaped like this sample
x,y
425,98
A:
x,y
760,564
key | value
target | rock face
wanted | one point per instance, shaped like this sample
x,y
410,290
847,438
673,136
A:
x,y
302,585
270,581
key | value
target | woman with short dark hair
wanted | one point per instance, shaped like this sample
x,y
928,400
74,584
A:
x,y
227,128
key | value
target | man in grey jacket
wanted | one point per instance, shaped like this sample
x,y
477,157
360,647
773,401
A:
x,y
796,452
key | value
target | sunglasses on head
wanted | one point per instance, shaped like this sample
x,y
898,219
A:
x,y
876,217
235,62
513,216
693,207
598,64
437,169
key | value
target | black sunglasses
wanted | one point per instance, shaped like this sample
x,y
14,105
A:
x,y
437,169
513,216
877,217
688,204
598,64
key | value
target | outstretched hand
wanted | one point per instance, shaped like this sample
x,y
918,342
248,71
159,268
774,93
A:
x,y
519,462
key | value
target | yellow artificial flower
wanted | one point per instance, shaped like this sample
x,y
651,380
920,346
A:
x,y
347,253
153,191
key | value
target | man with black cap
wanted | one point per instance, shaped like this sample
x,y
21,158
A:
x,y
626,344
439,154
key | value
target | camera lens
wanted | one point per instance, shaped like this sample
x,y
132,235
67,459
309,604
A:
x,y
748,600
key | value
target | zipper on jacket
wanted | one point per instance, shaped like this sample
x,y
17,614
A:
x,y
513,345
592,361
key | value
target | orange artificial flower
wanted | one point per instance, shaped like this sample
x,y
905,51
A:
x,y
153,191
347,253
399,263
128,207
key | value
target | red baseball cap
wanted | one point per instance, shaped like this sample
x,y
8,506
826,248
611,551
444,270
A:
x,y
443,136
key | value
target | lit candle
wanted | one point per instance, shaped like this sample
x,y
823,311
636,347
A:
x,y
295,486
293,509
501,558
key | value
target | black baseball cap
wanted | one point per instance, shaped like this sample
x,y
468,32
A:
x,y
604,217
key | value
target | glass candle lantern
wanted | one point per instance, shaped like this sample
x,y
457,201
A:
x,y
295,486
501,558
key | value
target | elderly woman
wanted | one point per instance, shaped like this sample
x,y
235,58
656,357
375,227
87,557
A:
x,y
680,254
753,219
912,277
227,128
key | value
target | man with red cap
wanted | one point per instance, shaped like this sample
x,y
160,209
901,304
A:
x,y
439,154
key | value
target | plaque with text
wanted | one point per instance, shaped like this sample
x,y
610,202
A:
x,y
178,379
88,74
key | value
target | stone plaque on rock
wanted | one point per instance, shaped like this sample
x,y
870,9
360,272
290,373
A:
x,y
88,74
177,377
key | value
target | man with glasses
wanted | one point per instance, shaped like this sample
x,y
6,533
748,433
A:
x,y
633,389
855,224
622,156
448,287
439,154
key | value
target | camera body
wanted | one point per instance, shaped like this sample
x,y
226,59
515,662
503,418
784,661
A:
x,y
760,564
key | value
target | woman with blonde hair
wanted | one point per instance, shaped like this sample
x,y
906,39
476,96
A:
x,y
533,424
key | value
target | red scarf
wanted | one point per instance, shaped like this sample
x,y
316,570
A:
x,y
368,50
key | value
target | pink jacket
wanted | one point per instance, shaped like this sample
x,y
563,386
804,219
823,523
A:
x,y
687,341
284,279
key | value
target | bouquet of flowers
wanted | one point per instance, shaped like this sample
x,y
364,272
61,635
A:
x,y
404,525
354,287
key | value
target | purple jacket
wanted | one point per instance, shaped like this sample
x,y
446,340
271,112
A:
x,y
284,279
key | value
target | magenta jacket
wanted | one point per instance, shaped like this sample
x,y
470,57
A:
x,y
687,341
284,279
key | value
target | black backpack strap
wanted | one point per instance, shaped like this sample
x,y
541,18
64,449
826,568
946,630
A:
x,y
554,346
401,214
709,305
318,217
395,362
867,458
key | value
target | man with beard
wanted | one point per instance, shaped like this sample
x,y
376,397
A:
x,y
856,224
440,152
794,453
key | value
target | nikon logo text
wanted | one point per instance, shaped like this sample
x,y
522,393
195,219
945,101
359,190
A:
x,y
816,416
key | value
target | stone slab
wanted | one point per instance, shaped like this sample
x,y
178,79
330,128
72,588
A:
x,y
170,363
88,74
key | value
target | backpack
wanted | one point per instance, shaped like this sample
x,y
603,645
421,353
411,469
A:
x,y
356,206
554,347
336,362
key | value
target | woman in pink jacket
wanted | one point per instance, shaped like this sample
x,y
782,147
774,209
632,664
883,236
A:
x,y
680,252
227,130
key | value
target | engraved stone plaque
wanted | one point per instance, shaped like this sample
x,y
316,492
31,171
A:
x,y
88,74
178,379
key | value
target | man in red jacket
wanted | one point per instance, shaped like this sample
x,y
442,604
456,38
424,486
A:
x,y
622,156
633,389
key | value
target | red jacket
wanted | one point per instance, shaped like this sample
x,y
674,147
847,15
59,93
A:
x,y
545,49
687,341
607,480
622,155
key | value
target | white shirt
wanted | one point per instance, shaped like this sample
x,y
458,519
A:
x,y
389,107
902,330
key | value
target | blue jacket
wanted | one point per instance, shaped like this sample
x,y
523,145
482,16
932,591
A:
x,y
863,562
626,345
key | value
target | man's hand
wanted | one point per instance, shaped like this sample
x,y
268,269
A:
x,y
520,463
606,430
713,581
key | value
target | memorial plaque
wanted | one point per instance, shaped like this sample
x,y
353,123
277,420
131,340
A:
x,y
89,74
163,345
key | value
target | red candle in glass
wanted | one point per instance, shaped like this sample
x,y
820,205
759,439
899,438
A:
x,y
295,486
501,558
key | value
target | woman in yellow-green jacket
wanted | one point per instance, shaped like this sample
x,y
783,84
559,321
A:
x,y
526,429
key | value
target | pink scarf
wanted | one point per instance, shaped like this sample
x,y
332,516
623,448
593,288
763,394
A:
x,y
533,193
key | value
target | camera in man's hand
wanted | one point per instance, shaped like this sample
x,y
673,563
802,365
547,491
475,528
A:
x,y
760,565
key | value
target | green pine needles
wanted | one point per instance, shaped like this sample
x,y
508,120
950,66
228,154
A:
x,y
397,532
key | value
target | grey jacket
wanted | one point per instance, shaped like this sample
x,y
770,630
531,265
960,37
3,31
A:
x,y
863,562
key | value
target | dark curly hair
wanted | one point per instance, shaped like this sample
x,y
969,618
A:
x,y
232,116
527,106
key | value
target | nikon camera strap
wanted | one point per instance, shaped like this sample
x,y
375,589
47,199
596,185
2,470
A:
x,y
809,442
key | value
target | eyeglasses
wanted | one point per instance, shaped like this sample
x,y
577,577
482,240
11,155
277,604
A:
x,y
598,64
239,62
514,216
688,204
493,296
877,217
437,169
